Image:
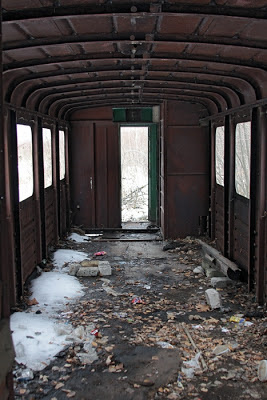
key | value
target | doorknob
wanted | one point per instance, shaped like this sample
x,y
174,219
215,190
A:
x,y
91,182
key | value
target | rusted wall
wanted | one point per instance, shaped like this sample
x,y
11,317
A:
x,y
219,217
50,216
95,169
28,238
6,263
187,169
241,232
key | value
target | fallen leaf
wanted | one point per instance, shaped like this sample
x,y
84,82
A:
x,y
59,385
202,307
71,394
109,359
32,302
109,349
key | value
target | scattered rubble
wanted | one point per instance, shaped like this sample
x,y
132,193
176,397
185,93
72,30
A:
x,y
178,342
90,268
213,298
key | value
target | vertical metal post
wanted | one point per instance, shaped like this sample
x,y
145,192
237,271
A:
x,y
67,177
56,134
261,277
8,240
55,181
229,186
36,168
7,273
14,188
254,193
39,129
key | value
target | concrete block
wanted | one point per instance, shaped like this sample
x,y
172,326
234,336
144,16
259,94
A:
x,y
207,262
213,298
89,263
73,268
87,271
199,270
221,282
104,268
214,273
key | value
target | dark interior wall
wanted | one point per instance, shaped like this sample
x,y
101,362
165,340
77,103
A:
x,y
186,168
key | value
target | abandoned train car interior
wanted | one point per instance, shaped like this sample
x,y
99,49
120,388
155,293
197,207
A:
x,y
76,74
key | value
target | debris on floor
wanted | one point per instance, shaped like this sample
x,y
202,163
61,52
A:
x,y
148,331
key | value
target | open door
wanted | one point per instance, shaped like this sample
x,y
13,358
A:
x,y
139,173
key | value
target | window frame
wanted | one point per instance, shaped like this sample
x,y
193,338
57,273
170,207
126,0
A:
x,y
247,172
45,129
25,194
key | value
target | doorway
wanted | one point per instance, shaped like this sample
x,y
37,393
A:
x,y
134,173
138,146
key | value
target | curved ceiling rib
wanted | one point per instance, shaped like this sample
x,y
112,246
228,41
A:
x,y
51,98
208,106
43,95
241,87
64,54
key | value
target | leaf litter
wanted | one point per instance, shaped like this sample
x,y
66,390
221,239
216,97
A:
x,y
171,303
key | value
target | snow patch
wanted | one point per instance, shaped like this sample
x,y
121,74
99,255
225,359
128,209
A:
x,y
35,339
78,238
54,289
63,256
39,337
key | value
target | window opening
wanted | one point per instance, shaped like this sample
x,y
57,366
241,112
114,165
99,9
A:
x,y
134,173
25,161
242,158
219,155
47,156
62,162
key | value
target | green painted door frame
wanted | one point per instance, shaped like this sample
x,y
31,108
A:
x,y
153,173
152,168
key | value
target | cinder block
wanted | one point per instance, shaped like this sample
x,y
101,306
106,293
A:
x,y
213,298
89,263
221,282
73,268
104,268
87,271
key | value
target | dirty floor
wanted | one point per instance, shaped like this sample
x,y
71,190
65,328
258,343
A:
x,y
153,321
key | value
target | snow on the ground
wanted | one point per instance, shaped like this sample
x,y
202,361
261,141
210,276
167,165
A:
x,y
53,290
78,238
36,339
39,337
63,256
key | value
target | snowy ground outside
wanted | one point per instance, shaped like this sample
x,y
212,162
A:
x,y
43,330
134,173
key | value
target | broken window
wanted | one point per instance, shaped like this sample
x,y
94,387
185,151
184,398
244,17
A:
x,y
242,158
219,155
47,156
25,161
62,162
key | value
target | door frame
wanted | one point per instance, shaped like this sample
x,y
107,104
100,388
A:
x,y
153,166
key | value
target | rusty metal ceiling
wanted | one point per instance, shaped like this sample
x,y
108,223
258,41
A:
x,y
64,55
